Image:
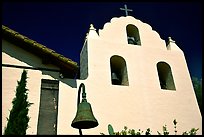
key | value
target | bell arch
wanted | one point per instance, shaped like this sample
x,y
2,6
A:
x,y
133,36
119,74
165,76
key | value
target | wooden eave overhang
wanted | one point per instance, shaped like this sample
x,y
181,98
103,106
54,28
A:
x,y
66,65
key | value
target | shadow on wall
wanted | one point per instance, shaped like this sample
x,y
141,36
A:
x,y
24,56
35,61
71,82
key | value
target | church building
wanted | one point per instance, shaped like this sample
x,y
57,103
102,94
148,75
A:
x,y
131,77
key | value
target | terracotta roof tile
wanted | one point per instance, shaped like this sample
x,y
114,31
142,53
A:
x,y
37,48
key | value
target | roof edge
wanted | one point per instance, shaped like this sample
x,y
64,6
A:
x,y
59,59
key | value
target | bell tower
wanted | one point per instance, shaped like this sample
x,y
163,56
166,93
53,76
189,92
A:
x,y
136,79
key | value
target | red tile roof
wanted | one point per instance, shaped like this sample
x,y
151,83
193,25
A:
x,y
65,64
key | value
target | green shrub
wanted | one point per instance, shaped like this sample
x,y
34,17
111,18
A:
x,y
127,131
18,119
197,85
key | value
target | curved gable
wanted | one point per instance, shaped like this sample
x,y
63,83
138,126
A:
x,y
115,32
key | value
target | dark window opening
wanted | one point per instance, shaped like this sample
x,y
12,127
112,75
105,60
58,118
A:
x,y
133,36
165,76
119,74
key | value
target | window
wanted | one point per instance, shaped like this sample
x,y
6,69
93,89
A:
x,y
119,74
165,76
133,35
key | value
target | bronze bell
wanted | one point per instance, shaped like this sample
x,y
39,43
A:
x,y
131,40
115,79
84,118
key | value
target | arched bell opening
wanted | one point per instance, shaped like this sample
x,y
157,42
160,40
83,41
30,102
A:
x,y
133,36
119,75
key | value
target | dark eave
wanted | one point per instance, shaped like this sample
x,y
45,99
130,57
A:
x,y
66,65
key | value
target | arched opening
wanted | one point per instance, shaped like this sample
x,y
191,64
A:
x,y
119,74
133,36
165,76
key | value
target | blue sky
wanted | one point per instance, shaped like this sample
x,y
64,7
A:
x,y
62,26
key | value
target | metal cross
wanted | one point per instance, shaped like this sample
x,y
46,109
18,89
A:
x,y
126,10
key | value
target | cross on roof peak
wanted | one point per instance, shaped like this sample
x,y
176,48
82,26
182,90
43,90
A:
x,y
126,9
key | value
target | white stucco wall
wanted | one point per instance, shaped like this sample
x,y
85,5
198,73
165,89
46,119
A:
x,y
10,76
9,83
142,104
13,55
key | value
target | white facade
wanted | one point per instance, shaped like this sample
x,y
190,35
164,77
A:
x,y
140,104
14,55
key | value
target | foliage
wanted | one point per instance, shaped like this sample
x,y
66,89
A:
x,y
127,131
110,130
197,85
191,132
18,119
